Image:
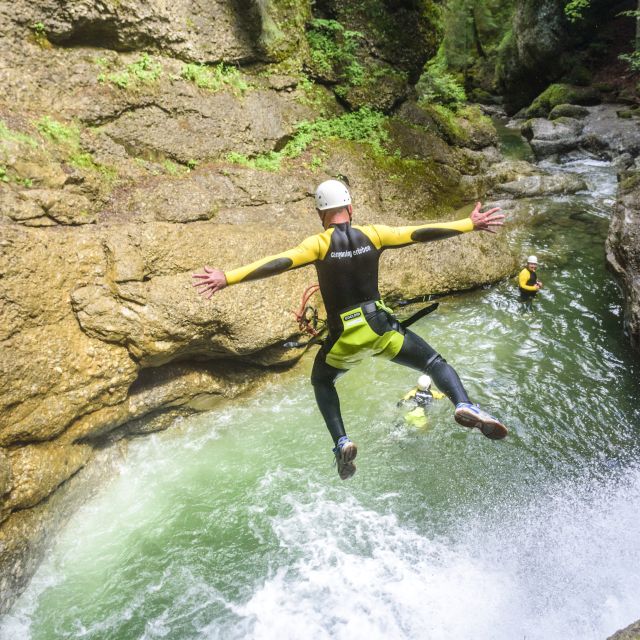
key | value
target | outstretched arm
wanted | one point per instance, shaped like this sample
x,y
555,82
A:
x,y
395,237
213,280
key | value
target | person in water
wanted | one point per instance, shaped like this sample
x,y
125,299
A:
x,y
346,259
528,282
418,399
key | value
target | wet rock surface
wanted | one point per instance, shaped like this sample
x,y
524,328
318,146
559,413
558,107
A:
x,y
632,632
601,132
623,250
119,185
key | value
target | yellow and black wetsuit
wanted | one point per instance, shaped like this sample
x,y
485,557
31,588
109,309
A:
x,y
346,258
527,283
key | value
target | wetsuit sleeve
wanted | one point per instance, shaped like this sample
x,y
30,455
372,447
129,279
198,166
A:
x,y
396,237
305,253
523,278
410,394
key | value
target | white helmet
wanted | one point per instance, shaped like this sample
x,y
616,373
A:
x,y
331,194
424,382
532,260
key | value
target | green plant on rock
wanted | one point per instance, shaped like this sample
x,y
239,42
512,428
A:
x,y
67,138
58,132
141,72
3,174
15,136
437,85
365,125
333,52
215,77
39,32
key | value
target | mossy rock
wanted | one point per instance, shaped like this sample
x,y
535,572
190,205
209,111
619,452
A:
x,y
629,113
557,94
568,111
629,181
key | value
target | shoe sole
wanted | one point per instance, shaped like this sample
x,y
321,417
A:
x,y
346,466
492,428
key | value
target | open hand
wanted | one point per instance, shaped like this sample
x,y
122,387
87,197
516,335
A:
x,y
209,282
485,221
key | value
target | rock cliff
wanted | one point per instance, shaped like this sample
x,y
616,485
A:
x,y
138,141
623,250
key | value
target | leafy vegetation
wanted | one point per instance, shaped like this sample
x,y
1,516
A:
x,y
473,32
633,58
58,132
67,137
39,32
215,78
142,71
333,53
364,125
9,134
574,9
437,85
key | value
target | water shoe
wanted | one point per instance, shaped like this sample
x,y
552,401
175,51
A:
x,y
473,417
345,453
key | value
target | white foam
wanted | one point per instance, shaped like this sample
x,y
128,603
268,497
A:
x,y
563,567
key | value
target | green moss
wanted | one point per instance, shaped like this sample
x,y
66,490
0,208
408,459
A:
x,y
16,136
364,125
6,176
39,35
630,181
215,77
67,138
557,94
57,132
172,168
143,71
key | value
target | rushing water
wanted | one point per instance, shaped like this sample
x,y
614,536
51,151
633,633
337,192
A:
x,y
234,524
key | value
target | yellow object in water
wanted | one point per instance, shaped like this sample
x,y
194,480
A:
x,y
417,418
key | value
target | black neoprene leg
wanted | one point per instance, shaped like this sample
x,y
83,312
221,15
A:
x,y
323,379
418,354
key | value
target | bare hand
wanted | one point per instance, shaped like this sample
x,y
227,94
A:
x,y
485,221
210,281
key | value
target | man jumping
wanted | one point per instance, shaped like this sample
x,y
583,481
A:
x,y
346,258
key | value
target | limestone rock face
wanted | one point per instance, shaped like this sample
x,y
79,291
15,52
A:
x,y
5,473
40,469
623,251
198,30
117,184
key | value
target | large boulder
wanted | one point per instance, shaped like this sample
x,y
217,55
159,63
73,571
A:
x,y
600,131
623,251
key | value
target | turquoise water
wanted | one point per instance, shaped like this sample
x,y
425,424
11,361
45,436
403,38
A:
x,y
234,524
